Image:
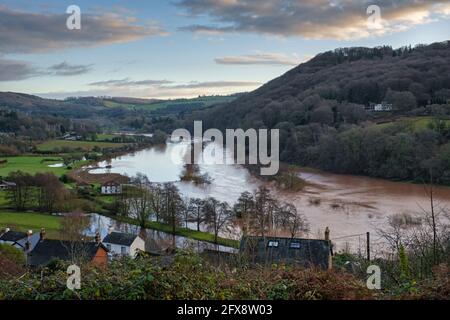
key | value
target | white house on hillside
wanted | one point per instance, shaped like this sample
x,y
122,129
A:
x,y
111,188
124,244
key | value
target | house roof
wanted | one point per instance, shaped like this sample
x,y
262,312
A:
x,y
47,250
12,236
307,252
33,241
7,183
110,183
123,239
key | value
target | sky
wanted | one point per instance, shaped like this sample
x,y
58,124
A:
x,y
185,48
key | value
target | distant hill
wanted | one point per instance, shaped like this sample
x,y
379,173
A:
x,y
84,107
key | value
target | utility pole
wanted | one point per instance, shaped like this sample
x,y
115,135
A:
x,y
368,246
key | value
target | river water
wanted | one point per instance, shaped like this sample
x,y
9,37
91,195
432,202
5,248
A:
x,y
349,205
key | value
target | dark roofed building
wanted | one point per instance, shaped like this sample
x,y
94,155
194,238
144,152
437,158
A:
x,y
125,239
305,252
48,250
9,236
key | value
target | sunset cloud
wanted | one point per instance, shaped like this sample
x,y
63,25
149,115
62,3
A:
x,y
129,83
261,59
157,89
310,19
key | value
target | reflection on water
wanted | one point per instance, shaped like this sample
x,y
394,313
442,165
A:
x,y
348,204
155,240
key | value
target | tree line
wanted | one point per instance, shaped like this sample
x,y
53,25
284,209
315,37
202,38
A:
x,y
257,213
41,192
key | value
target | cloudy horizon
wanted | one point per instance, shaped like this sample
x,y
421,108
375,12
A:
x,y
187,48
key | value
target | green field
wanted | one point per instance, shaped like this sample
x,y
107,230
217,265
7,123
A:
x,y
24,221
31,165
54,145
152,106
416,123
105,137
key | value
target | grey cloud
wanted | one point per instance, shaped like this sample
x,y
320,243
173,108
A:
x,y
65,69
13,70
25,32
311,19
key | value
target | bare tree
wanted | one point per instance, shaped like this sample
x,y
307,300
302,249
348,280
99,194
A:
x,y
49,191
20,194
73,226
173,207
262,213
196,211
157,200
217,216
140,199
290,220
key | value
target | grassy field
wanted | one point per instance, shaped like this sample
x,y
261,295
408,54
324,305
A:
x,y
416,123
105,137
53,145
204,101
24,221
31,165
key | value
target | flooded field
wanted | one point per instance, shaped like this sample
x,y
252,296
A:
x,y
349,205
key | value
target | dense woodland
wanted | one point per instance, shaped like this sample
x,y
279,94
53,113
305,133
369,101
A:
x,y
320,109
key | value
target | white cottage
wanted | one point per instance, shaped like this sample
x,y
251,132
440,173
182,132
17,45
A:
x,y
124,244
111,187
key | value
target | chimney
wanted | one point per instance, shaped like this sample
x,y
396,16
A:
x,y
327,234
110,230
98,238
7,230
42,235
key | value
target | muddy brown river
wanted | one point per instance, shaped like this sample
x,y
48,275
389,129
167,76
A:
x,y
349,205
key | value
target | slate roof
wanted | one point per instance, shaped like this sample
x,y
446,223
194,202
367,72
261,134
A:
x,y
305,252
12,236
48,250
123,239
33,241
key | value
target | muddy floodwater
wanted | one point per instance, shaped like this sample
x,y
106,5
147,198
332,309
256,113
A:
x,y
349,205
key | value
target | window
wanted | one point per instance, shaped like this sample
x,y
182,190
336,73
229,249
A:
x,y
273,244
295,245
123,250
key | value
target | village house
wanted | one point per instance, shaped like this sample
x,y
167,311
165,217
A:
x,y
305,252
71,136
380,107
48,250
111,187
123,244
5,185
8,236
